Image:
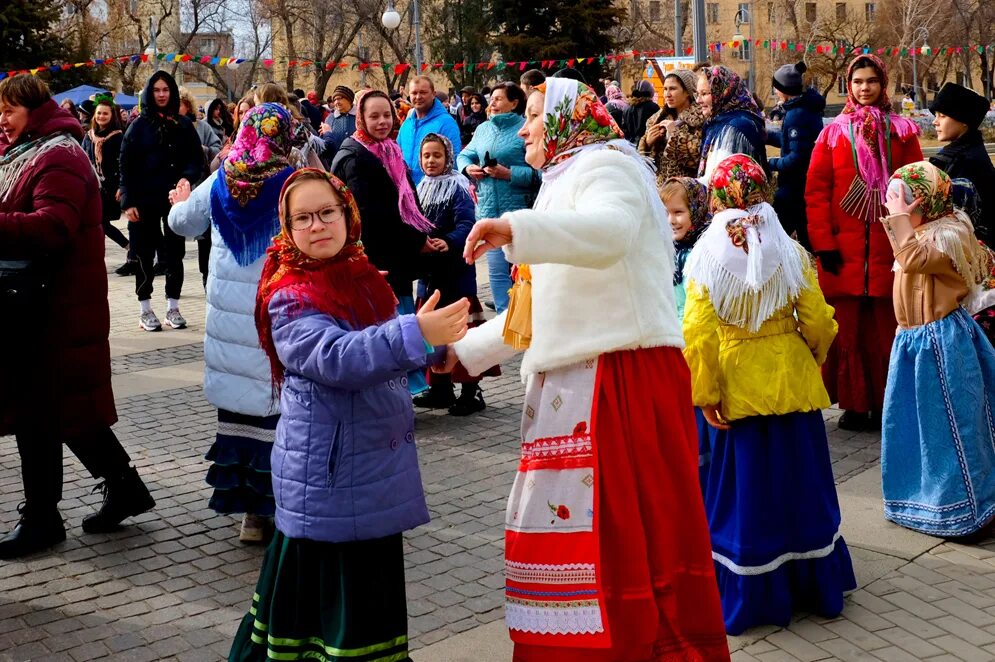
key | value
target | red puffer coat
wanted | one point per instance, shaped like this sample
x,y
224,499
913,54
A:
x,y
867,256
52,213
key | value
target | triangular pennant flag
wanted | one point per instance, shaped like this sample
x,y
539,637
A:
x,y
458,65
522,65
329,66
425,66
401,68
571,63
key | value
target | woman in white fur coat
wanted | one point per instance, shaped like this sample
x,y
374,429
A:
x,y
607,553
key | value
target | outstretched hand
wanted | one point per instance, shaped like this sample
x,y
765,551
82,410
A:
x,y
445,325
488,233
181,193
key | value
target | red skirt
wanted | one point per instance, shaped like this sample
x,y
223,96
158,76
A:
x,y
856,369
655,574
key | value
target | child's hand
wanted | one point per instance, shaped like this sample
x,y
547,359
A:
x,y
440,245
443,326
713,414
896,203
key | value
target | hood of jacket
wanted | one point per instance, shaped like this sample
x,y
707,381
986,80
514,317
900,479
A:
x,y
148,101
809,100
45,120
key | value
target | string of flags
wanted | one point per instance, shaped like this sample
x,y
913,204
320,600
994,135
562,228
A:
x,y
550,64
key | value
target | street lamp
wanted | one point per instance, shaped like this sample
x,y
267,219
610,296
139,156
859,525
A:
x,y
744,15
153,50
391,20
924,34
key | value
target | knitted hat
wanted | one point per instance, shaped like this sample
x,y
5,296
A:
x,y
788,79
345,92
643,88
962,104
688,78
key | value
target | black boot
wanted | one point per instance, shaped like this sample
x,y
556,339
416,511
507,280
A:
x,y
470,401
129,268
854,421
37,531
439,396
124,496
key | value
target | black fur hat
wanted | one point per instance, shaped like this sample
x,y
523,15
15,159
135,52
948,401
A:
x,y
962,104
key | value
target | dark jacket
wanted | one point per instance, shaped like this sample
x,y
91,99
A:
x,y
342,126
448,271
799,131
391,244
159,149
966,158
227,126
109,165
635,118
313,114
735,131
52,214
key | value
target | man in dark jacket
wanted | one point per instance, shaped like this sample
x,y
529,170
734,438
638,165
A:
x,y
340,124
160,149
959,112
803,108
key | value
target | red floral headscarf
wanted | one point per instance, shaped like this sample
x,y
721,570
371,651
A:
x,y
574,117
346,286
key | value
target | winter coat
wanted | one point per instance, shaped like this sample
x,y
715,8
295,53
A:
x,y
312,113
344,463
676,155
210,146
391,244
448,271
342,126
498,138
52,214
635,118
966,158
151,163
110,166
468,127
413,131
598,259
864,247
736,131
236,370
801,126
222,130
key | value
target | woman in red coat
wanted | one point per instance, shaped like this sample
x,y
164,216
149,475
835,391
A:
x,y
55,364
847,180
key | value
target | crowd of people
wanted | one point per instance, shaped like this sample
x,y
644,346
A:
x,y
685,308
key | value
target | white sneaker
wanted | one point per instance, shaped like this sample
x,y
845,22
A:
x,y
149,321
253,528
174,319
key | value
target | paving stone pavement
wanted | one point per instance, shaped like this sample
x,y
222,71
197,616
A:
x,y
175,583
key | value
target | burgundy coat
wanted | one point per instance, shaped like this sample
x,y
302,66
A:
x,y
53,213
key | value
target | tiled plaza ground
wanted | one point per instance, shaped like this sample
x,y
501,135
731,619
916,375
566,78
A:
x,y
174,585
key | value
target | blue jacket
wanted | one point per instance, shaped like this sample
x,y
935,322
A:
x,y
735,132
342,126
414,130
344,462
448,271
801,127
498,137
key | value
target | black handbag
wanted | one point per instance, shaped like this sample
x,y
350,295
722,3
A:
x,y
23,283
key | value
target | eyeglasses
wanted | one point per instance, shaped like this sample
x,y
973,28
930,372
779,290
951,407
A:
x,y
327,216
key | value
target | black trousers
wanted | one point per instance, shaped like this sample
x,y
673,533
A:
x,y
41,463
149,234
204,254
112,211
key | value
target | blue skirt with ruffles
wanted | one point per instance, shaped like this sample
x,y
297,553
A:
x,y
938,434
241,472
774,518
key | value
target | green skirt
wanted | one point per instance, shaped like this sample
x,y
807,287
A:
x,y
327,602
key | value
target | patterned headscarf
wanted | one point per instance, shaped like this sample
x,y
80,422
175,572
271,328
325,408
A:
x,y
346,286
437,190
749,265
574,117
696,195
246,190
946,226
870,126
729,91
737,183
388,152
615,99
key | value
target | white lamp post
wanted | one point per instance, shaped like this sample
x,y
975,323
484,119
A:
x,y
745,16
391,20
153,50
924,34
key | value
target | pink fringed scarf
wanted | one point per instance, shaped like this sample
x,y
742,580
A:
x,y
872,128
388,152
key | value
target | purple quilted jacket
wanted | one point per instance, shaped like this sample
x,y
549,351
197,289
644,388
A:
x,y
344,463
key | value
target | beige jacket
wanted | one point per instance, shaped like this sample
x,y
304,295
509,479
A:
x,y
927,285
